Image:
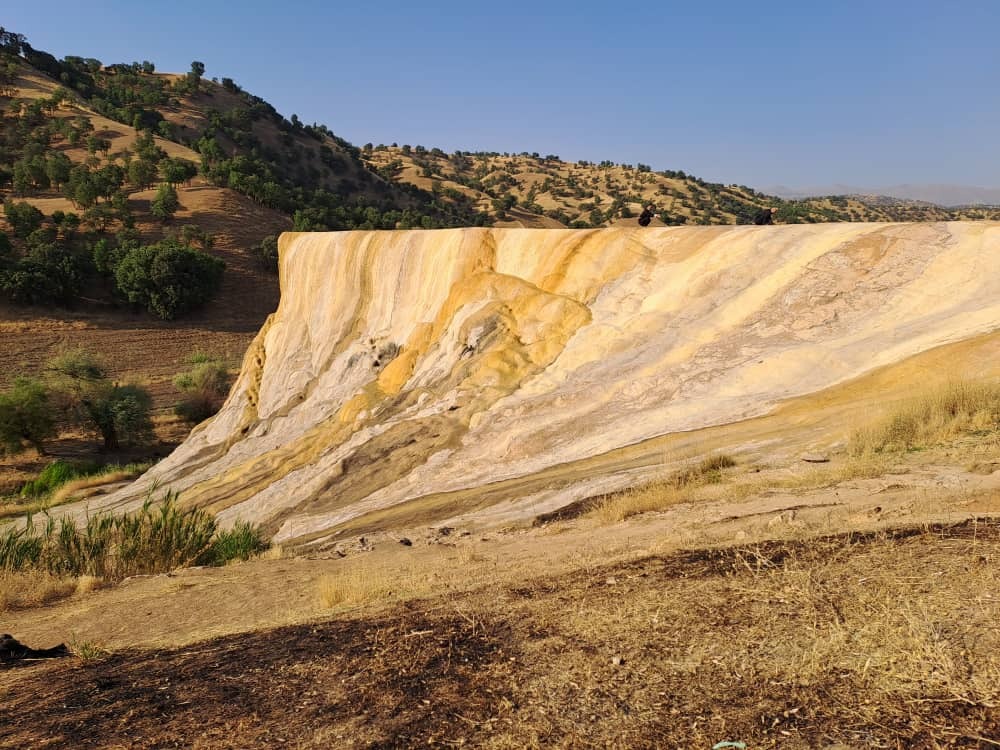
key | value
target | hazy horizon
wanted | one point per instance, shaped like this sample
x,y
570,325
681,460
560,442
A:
x,y
898,93
942,195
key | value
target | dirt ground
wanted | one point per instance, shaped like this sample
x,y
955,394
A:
x,y
855,612
856,640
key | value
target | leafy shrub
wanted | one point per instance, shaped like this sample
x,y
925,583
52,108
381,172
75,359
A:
x,y
241,542
205,387
266,253
26,416
168,278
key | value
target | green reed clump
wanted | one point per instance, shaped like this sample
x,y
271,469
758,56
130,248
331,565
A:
x,y
241,542
159,537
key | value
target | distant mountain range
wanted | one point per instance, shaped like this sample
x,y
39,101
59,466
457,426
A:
x,y
942,195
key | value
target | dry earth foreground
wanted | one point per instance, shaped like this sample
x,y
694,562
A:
x,y
572,489
876,640
487,375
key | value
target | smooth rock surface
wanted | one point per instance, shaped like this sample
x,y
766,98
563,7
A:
x,y
416,364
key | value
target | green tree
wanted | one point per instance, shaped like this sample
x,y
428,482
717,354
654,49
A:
x,y
7,255
194,236
50,273
22,217
81,188
141,173
108,179
57,167
145,148
26,416
178,170
166,203
95,144
168,278
119,413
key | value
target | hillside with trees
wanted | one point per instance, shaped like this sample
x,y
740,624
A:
x,y
528,189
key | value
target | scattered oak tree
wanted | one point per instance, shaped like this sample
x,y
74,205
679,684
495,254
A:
x,y
119,413
166,203
168,278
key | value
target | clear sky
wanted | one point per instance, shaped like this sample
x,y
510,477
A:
x,y
872,92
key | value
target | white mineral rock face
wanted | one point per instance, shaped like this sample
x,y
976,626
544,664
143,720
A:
x,y
402,366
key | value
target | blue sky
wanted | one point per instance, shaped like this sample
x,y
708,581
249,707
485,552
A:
x,y
794,93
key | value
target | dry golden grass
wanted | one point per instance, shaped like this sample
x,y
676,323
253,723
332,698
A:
x,y
675,489
16,510
34,588
867,466
932,418
635,500
357,585
87,486
802,636
904,622
88,584
274,552
449,568
879,640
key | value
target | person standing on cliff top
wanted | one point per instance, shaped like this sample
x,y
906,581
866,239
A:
x,y
764,216
647,215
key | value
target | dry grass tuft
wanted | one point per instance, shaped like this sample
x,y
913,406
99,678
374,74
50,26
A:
x,y
355,586
662,494
34,588
88,650
87,584
867,466
274,552
635,500
932,418
87,486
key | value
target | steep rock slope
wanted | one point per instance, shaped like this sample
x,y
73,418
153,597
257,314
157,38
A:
x,y
404,366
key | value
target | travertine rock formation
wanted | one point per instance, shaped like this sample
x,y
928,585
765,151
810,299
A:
x,y
424,369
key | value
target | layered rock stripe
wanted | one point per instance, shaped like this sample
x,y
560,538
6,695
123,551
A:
x,y
446,369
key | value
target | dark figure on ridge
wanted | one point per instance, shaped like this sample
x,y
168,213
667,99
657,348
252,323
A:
x,y
647,215
764,216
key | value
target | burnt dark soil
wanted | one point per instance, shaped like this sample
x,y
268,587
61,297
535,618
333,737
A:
x,y
681,650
